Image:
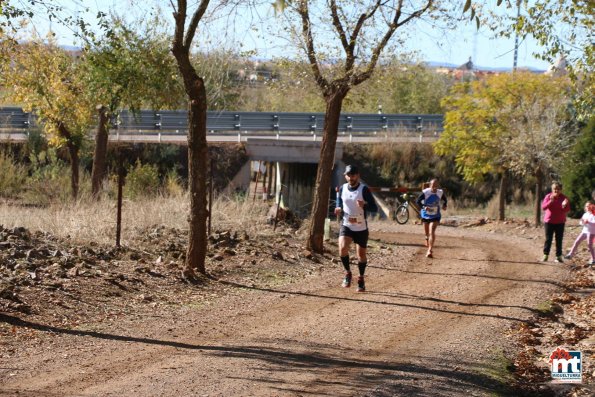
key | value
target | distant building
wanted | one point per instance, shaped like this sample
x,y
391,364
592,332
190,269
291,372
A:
x,y
558,68
469,71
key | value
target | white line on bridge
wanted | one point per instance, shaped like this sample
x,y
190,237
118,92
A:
x,y
242,137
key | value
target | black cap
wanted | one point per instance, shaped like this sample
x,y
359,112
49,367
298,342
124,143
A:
x,y
351,169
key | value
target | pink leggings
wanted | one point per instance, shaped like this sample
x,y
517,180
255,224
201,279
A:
x,y
590,240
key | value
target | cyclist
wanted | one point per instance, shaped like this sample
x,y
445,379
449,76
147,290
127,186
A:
x,y
355,200
429,202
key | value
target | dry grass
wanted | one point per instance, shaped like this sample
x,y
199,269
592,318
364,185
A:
x,y
85,220
490,210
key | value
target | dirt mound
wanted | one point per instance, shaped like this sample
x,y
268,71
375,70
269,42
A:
x,y
56,281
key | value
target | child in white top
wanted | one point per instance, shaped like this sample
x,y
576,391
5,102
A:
x,y
588,232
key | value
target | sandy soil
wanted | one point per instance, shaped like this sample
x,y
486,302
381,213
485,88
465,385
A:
x,y
425,327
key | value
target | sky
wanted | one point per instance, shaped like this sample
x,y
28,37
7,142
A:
x,y
462,44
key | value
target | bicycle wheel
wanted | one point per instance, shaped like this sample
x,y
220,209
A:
x,y
401,214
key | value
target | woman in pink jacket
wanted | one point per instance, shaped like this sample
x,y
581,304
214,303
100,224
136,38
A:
x,y
555,207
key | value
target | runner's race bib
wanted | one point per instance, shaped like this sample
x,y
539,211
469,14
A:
x,y
355,219
431,210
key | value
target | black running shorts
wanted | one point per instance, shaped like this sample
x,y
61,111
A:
x,y
360,238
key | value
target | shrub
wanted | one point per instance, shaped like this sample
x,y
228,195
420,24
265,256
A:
x,y
142,179
579,174
173,184
49,178
12,176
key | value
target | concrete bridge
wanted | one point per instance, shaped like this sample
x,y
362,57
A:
x,y
172,126
289,143
288,171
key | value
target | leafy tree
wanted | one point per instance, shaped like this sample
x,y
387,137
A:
x,y
397,86
11,10
400,86
473,135
218,69
128,67
579,170
540,126
198,154
47,80
517,122
362,30
564,30
293,91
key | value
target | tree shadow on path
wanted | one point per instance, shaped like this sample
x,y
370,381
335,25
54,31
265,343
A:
x,y
403,377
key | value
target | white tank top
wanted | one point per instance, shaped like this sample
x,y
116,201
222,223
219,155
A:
x,y
353,216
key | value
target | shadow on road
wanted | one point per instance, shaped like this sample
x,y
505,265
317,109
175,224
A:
x,y
403,377
520,280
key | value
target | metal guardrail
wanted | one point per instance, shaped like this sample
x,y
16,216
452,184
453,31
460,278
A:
x,y
174,122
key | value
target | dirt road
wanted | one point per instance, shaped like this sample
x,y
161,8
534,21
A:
x,y
426,327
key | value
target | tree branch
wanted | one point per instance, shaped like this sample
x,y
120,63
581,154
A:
x,y
358,27
304,12
180,18
338,26
363,76
196,17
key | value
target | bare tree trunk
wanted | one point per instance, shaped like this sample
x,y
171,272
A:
x,y
198,160
538,190
100,156
270,183
198,155
502,196
324,172
73,150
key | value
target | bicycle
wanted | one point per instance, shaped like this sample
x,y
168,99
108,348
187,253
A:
x,y
401,213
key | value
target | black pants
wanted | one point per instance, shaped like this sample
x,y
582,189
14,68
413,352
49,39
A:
x,y
552,229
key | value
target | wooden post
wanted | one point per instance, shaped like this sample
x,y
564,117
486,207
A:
x,y
279,201
119,210
256,182
264,179
210,198
270,172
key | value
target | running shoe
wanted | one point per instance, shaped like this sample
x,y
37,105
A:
x,y
567,256
429,254
361,285
544,258
347,280
560,259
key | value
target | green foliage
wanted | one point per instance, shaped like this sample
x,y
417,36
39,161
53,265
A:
x,y
36,142
172,185
46,165
579,172
47,80
411,164
400,86
564,31
12,176
142,179
397,86
131,67
510,121
11,11
48,178
219,70
293,91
